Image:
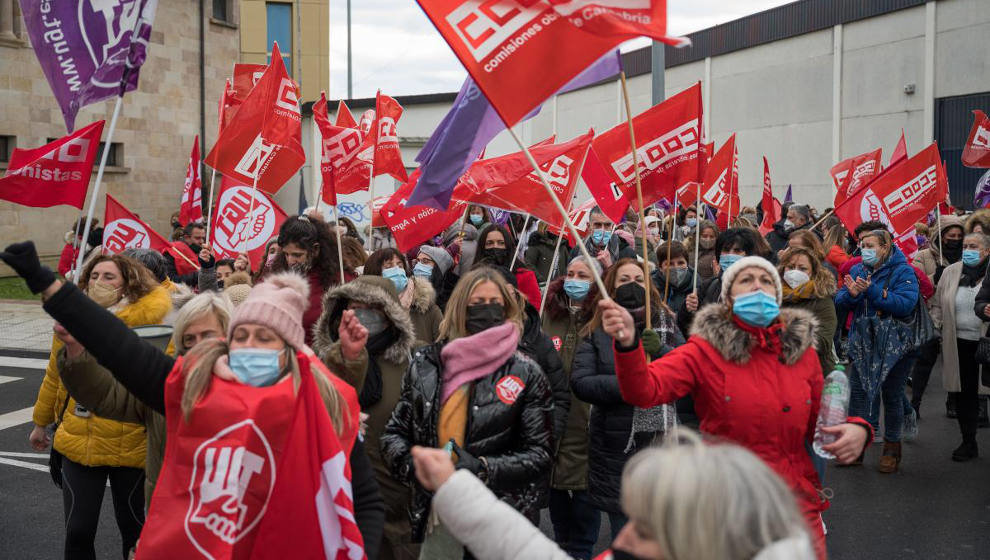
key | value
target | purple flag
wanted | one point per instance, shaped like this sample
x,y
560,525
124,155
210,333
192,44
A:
x,y
709,215
499,216
787,197
469,126
982,199
90,50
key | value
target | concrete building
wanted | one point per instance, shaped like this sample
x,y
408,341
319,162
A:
x,y
806,84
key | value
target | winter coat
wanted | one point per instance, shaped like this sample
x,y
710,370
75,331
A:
x,y
391,365
540,254
541,349
929,260
494,531
765,400
515,439
528,286
778,237
67,259
823,309
423,311
92,440
709,291
562,325
469,246
594,381
676,293
705,264
943,310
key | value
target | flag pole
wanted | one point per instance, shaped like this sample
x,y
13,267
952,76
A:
x,y
697,243
371,180
823,218
639,198
107,145
340,250
562,210
515,254
670,245
553,268
213,177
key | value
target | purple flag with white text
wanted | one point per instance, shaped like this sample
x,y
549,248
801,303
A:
x,y
469,126
982,198
90,50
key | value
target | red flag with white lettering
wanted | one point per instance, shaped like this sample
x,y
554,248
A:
x,y
510,183
612,200
520,53
243,226
667,146
580,217
228,106
56,173
191,203
331,147
124,230
851,174
246,76
413,225
976,153
385,138
770,205
901,197
263,141
721,190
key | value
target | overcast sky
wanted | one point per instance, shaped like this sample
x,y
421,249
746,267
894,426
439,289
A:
x,y
395,48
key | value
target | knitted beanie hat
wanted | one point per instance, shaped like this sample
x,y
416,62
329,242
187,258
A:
x,y
439,255
729,275
277,303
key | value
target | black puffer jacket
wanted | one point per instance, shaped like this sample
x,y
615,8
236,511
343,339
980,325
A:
x,y
515,439
593,380
540,348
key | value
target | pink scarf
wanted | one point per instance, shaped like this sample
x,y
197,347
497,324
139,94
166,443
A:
x,y
473,357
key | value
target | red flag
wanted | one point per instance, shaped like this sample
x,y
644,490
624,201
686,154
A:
x,y
520,53
851,174
385,138
191,204
56,173
900,151
240,226
415,224
124,230
331,147
612,200
721,190
509,182
580,217
770,205
344,117
901,197
228,106
976,153
263,141
246,76
667,146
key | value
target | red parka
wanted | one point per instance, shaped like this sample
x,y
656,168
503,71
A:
x,y
760,388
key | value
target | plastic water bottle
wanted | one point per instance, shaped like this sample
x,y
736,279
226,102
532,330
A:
x,y
834,409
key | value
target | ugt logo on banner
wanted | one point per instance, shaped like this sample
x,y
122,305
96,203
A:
x,y
125,233
237,230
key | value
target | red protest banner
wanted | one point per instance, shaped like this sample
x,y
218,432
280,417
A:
x,y
124,230
191,203
243,226
976,153
612,200
56,173
721,188
851,174
415,224
771,206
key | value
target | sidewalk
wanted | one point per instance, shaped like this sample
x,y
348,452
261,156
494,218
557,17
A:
x,y
24,327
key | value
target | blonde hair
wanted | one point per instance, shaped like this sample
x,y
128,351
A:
x,y
820,274
207,303
454,318
708,501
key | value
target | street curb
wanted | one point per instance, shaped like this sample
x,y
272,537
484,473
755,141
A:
x,y
23,353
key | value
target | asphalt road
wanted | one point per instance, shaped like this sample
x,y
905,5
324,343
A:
x,y
933,509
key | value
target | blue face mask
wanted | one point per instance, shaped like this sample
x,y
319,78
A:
x,y
257,367
397,276
869,256
422,270
691,222
477,219
971,257
726,260
601,237
758,308
576,289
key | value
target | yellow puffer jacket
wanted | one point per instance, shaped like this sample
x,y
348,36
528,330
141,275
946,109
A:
x,y
95,441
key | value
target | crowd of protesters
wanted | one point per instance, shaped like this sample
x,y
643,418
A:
x,y
490,378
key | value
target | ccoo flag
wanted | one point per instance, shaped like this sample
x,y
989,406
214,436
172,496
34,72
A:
x,y
89,50
191,203
976,153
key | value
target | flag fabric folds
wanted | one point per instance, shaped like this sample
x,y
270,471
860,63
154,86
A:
x,y
56,173
413,224
851,174
244,220
89,54
770,205
124,230
976,153
191,204
721,187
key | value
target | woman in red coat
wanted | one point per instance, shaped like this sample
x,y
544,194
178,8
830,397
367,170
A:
x,y
754,375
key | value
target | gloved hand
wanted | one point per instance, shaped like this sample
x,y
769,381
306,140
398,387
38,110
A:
x,y
467,461
651,343
23,258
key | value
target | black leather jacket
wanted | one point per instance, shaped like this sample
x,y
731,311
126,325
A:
x,y
514,433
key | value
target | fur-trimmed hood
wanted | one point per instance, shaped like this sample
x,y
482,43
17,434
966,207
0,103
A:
x,y
714,324
424,296
980,217
370,290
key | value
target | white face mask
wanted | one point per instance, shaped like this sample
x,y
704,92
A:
x,y
796,278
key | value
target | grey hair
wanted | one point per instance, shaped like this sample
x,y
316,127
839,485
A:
x,y
982,238
592,264
708,500
803,210
207,303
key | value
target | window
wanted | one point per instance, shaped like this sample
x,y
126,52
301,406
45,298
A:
x,y
280,29
6,147
221,10
114,159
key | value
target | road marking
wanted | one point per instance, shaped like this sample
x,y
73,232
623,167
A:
x,y
16,418
23,363
24,464
8,379
24,455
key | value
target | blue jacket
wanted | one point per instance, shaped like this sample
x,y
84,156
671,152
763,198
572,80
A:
x,y
894,274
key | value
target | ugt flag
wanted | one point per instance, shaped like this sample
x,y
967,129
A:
x,y
56,173
521,52
244,220
191,204
263,141
89,50
124,230
976,153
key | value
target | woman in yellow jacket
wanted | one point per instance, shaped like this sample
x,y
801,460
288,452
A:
x,y
96,449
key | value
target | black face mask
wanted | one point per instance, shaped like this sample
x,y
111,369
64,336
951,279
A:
x,y
952,249
631,296
483,316
196,247
496,256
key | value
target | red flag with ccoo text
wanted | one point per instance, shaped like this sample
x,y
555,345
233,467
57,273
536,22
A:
x,y
56,173
976,153
851,174
191,204
243,221
721,188
124,230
